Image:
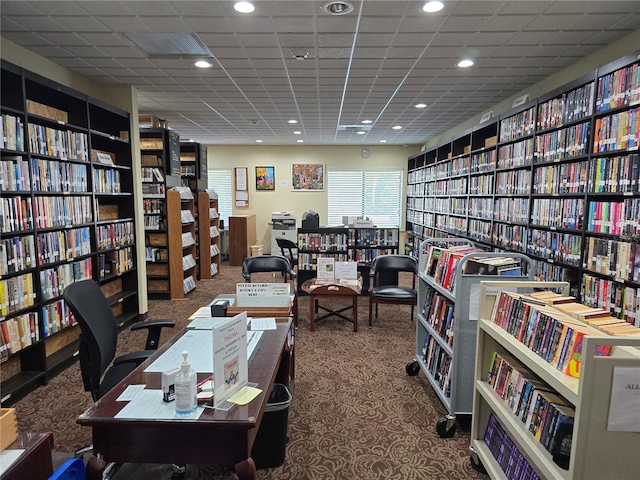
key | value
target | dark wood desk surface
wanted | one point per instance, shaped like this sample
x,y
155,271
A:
x,y
215,438
35,463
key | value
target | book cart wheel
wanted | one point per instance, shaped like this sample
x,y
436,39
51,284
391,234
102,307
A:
x,y
476,463
446,426
412,368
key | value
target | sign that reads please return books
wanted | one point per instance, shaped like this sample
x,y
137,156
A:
x,y
263,294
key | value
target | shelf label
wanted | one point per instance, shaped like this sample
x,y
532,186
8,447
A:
x,y
624,407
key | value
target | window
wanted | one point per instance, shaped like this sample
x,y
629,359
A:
x,y
374,194
220,181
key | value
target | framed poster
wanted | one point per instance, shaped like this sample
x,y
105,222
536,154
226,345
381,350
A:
x,y
307,176
265,178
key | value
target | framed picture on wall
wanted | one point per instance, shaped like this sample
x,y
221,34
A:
x,y
307,176
265,178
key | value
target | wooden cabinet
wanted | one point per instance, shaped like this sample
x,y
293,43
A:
x,y
242,236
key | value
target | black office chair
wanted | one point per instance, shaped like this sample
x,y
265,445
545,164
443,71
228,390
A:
x,y
98,339
273,263
380,291
289,250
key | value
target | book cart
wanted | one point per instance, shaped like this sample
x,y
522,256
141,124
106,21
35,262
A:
x,y
594,451
445,340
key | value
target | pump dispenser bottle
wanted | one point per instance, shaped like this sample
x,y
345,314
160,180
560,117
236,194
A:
x,y
185,388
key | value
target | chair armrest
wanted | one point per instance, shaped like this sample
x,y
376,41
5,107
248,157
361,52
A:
x,y
134,357
155,328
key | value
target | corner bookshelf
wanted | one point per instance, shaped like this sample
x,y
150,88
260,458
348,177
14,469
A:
x,y
66,214
208,234
447,318
556,178
595,452
314,243
366,243
181,241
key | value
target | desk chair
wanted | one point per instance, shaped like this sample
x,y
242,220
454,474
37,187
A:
x,y
289,250
273,263
99,337
394,294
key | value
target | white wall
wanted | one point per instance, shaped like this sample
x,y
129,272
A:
x,y
262,203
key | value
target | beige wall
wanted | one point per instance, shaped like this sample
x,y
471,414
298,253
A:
x,y
262,203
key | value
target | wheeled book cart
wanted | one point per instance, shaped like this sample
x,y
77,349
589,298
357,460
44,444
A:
x,y
445,349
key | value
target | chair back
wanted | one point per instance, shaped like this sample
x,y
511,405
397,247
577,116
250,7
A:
x,y
266,263
99,332
394,263
72,469
287,248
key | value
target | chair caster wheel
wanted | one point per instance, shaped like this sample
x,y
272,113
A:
x,y
412,368
441,428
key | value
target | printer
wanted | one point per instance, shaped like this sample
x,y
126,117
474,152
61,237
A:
x,y
283,225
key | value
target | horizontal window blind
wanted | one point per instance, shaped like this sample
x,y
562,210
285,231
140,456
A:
x,y
374,194
220,181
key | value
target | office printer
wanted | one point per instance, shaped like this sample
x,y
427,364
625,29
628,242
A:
x,y
283,225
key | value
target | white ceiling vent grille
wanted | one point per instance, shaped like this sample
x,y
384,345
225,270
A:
x,y
354,128
169,44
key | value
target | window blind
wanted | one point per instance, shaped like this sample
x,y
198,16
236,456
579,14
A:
x,y
220,181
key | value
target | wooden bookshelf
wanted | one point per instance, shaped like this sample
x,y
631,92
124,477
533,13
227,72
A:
x,y
181,241
208,234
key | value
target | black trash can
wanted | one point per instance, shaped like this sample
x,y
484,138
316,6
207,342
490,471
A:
x,y
270,445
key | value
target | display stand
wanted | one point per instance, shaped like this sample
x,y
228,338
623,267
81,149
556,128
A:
x,y
181,242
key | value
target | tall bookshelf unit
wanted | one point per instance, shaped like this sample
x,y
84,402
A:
x,y
181,240
595,452
447,323
66,214
208,234
557,178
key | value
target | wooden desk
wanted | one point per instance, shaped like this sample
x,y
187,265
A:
x,y
35,463
330,292
215,438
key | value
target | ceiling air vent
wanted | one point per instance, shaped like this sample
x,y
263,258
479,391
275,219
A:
x,y
169,44
354,128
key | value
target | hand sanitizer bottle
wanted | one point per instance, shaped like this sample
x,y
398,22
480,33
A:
x,y
185,388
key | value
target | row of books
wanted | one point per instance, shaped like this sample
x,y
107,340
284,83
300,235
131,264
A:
x,y
513,182
556,246
619,300
514,465
54,280
14,174
564,143
545,414
115,262
439,363
507,209
15,214
58,212
152,174
62,245
18,332
454,186
322,241
187,170
16,293
106,181
481,208
373,236
514,155
17,254
55,176
11,133
55,317
545,271
154,222
309,261
557,212
484,161
64,144
508,236
617,218
618,88
569,107
620,131
613,258
366,256
153,205
439,313
115,235
517,126
617,174
153,190
560,178
481,230
481,184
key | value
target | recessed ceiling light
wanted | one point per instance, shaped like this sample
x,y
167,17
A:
x,y
432,7
396,127
421,105
383,141
361,132
258,141
465,63
337,8
367,121
292,121
299,141
297,132
244,7
203,64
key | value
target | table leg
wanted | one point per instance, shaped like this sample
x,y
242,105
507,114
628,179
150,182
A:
x,y
355,313
246,469
312,312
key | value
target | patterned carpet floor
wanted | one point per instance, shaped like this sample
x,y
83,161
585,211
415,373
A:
x,y
355,413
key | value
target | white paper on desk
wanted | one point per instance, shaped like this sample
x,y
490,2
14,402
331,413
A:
x,y
624,407
198,343
148,405
201,312
268,323
8,458
130,392
206,323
